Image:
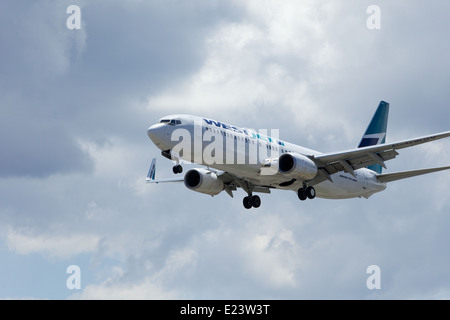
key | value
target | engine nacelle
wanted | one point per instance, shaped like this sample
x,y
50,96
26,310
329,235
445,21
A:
x,y
204,181
297,166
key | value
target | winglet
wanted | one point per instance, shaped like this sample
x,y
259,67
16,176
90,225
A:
x,y
151,171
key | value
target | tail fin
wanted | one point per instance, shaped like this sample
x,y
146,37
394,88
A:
x,y
376,131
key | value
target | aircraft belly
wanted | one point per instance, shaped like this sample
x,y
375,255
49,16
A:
x,y
252,174
344,186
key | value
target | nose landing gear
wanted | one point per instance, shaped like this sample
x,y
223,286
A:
x,y
177,169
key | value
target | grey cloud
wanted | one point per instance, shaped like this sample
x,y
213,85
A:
x,y
36,45
67,84
39,151
140,48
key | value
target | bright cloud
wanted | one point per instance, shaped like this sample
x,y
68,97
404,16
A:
x,y
59,246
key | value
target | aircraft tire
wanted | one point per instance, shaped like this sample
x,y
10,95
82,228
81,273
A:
x,y
255,201
302,194
247,202
177,169
310,192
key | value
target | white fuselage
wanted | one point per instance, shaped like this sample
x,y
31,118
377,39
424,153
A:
x,y
250,155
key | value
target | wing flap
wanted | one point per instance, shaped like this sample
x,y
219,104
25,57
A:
x,y
357,162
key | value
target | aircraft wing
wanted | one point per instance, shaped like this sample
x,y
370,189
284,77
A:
x,y
354,159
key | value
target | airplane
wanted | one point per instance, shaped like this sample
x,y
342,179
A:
x,y
235,157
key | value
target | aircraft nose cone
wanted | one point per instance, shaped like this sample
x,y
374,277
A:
x,y
151,131
156,131
158,134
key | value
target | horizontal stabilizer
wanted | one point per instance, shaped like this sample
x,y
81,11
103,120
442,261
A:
x,y
152,172
389,177
166,180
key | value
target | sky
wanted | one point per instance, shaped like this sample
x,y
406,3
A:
x,y
76,103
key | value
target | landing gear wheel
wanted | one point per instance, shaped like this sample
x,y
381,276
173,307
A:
x,y
256,201
310,192
177,169
247,202
302,194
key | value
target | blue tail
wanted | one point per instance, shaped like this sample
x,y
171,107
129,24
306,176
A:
x,y
376,131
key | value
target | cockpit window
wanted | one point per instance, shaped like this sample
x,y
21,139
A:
x,y
172,122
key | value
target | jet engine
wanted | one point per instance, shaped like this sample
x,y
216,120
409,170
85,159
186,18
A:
x,y
297,166
204,181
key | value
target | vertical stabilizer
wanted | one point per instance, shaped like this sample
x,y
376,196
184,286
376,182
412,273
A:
x,y
376,131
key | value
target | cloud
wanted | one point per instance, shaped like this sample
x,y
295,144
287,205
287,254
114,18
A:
x,y
59,246
40,53
140,280
259,65
145,289
57,83
32,148
39,45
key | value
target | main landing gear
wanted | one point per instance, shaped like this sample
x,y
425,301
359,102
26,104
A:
x,y
303,194
306,192
251,201
177,169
